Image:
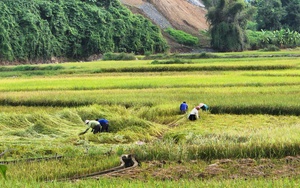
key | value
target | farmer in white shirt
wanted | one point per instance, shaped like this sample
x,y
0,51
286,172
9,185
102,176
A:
x,y
194,114
91,124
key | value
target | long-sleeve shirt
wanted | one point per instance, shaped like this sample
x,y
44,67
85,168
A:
x,y
92,124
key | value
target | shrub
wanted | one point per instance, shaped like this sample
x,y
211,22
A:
x,y
118,56
182,37
271,48
148,53
202,55
174,61
254,39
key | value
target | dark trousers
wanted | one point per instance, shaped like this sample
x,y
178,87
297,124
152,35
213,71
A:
x,y
96,129
192,117
104,127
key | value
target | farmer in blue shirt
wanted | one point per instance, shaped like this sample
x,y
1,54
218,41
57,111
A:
x,y
183,107
104,124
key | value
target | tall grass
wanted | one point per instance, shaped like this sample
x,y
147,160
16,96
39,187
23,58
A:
x,y
228,136
42,116
212,137
143,81
36,134
132,183
61,169
276,100
136,66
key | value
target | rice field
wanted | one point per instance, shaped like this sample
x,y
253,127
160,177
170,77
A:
x,y
254,113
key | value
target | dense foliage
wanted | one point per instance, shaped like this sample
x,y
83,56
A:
x,y
228,21
32,30
182,37
270,24
283,38
277,14
271,14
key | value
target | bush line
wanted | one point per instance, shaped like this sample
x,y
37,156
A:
x,y
271,110
239,110
195,68
31,68
210,55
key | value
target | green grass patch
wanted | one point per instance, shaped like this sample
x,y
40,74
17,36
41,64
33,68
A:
x,y
182,37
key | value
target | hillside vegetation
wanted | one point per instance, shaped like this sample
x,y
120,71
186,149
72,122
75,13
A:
x,y
40,30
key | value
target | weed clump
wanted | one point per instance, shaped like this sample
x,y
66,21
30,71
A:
x,y
118,56
174,61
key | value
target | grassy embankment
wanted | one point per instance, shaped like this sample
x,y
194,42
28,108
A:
x,y
254,114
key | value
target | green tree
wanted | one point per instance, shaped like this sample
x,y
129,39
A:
x,y
269,14
36,30
210,3
228,22
292,16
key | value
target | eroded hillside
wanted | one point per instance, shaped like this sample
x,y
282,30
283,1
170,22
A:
x,y
186,15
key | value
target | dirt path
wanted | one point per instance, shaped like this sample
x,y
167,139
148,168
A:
x,y
219,169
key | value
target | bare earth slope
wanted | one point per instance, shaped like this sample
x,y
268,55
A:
x,y
182,14
186,15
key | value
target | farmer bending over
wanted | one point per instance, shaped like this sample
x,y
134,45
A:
x,y
203,106
95,125
194,114
104,124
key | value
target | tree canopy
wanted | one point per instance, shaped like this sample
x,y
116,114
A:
x,y
228,20
277,14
